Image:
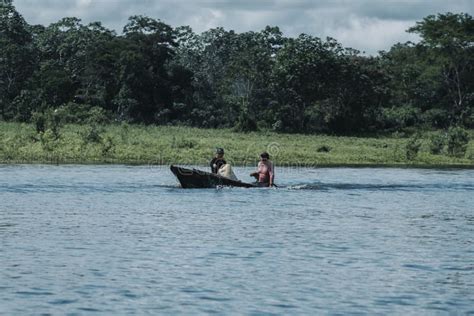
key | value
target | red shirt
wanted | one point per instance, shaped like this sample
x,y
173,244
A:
x,y
265,171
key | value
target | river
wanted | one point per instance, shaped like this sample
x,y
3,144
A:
x,y
127,240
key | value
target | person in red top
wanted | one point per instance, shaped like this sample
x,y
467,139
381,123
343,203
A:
x,y
265,173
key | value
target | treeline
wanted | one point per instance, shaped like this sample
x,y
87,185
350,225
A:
x,y
156,74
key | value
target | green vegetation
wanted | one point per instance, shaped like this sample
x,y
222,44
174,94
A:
x,y
154,73
79,93
140,144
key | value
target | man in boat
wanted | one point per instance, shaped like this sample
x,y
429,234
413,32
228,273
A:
x,y
221,167
218,161
265,173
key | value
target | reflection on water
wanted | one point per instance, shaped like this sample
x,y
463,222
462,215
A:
x,y
124,240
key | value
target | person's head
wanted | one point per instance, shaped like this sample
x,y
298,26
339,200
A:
x,y
264,156
219,152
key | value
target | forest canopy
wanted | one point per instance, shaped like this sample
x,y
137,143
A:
x,y
154,73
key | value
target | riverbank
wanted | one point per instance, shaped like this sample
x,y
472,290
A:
x,y
134,144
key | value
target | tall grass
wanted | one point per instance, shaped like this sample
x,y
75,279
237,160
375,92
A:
x,y
137,144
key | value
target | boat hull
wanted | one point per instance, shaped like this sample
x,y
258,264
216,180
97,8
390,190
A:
x,y
198,179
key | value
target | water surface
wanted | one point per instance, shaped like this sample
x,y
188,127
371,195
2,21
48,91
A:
x,y
124,240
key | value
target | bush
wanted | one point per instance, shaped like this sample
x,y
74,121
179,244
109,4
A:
x,y
40,121
97,115
25,103
437,143
323,149
49,141
182,143
246,123
49,120
436,118
401,117
288,118
73,113
108,146
458,139
412,147
92,134
469,121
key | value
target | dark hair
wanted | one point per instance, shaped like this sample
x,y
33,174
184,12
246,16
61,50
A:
x,y
220,151
265,155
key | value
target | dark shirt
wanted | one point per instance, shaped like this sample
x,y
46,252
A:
x,y
216,163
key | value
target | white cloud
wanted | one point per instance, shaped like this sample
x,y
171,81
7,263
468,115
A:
x,y
82,4
372,34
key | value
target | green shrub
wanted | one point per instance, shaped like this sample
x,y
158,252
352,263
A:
x,y
73,113
458,139
49,140
55,123
437,143
412,147
48,120
401,117
469,121
9,149
323,149
92,134
124,132
25,103
40,121
108,146
70,113
245,123
97,115
436,118
183,143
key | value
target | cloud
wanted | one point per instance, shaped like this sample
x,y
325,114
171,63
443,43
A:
x,y
365,33
367,25
84,3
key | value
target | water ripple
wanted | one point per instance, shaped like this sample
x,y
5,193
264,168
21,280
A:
x,y
128,240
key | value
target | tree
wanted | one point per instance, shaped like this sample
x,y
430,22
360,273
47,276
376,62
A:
x,y
358,95
81,54
155,74
250,67
143,68
17,57
207,57
306,67
450,40
415,87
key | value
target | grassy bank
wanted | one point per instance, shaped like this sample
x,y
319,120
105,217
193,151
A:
x,y
20,143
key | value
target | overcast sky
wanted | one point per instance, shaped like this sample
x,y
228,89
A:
x,y
366,25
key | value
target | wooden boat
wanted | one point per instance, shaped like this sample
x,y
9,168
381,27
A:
x,y
198,179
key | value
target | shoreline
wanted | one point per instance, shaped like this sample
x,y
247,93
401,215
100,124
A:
x,y
125,144
289,166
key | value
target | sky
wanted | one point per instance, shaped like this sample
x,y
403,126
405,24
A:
x,y
366,25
